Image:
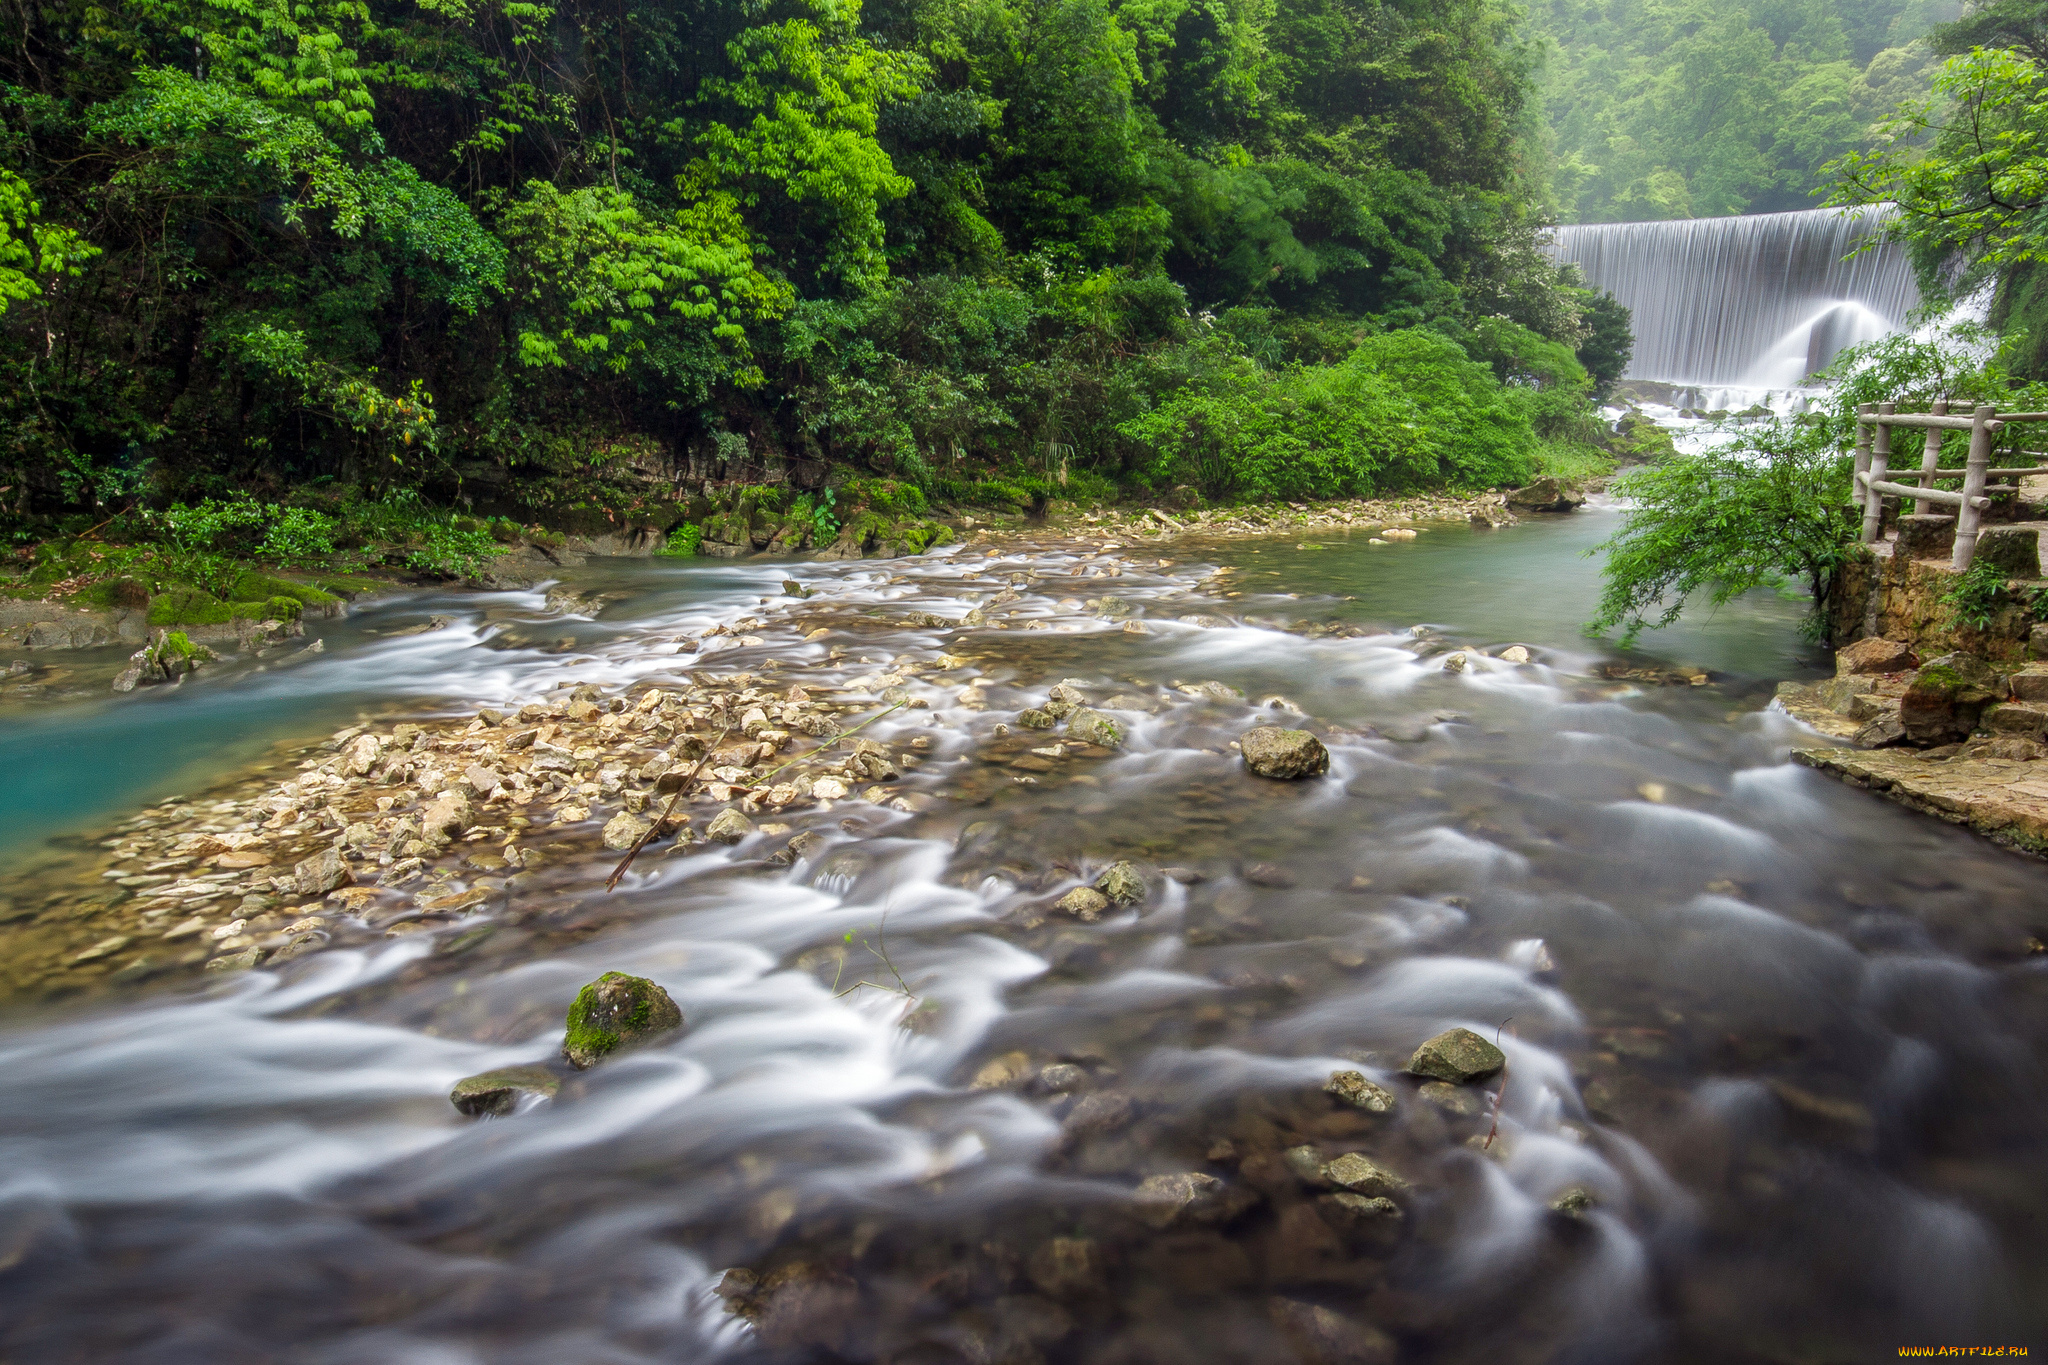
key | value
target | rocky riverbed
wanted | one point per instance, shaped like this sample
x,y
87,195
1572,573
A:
x,y
1168,969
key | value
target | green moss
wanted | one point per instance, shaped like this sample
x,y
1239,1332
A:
x,y
683,541
257,587
114,594
283,609
186,606
613,1012
178,645
1940,680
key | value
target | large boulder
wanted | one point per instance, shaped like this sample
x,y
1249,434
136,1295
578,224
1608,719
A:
x,y
1458,1055
1946,699
1546,495
1873,656
1270,751
616,1012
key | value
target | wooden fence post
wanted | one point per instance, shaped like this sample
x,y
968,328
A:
x,y
1969,514
1880,465
1931,460
1857,492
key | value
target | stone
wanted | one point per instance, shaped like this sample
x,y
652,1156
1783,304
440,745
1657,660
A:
x,y
1360,1174
1121,884
1306,1163
1925,535
1455,663
1065,1266
2015,551
1036,718
1286,755
2030,683
1323,1336
1354,1089
623,831
1574,1201
1182,1198
1882,732
1062,1078
1457,1055
1874,656
321,873
1003,1072
1947,697
809,844
1359,1213
729,827
498,1093
1515,654
1545,495
613,1013
236,962
1083,903
2037,642
447,816
2025,719
1089,726
1455,1100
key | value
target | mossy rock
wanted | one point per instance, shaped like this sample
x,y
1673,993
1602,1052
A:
x,y
115,594
497,1093
616,1012
187,606
283,609
258,587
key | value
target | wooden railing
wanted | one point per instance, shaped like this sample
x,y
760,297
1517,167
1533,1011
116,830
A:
x,y
1875,423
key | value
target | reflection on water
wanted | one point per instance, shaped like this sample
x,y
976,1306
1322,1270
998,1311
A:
x,y
1778,1038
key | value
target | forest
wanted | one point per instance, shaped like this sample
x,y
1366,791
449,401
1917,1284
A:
x,y
543,261
522,254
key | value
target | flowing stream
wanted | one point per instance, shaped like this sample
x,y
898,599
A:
x,y
1782,1039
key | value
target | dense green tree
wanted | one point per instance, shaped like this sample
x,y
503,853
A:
x,y
1688,110
515,246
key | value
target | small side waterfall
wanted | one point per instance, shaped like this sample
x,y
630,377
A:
x,y
1758,302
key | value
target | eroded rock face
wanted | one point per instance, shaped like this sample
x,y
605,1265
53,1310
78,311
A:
x,y
616,1012
1947,698
1457,1055
1287,755
1873,656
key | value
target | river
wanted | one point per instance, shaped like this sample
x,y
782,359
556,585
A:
x,y
1781,1040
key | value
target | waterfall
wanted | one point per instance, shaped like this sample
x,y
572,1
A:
x,y
1757,303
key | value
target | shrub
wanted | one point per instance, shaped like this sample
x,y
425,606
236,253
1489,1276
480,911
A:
x,y
452,553
1739,516
683,541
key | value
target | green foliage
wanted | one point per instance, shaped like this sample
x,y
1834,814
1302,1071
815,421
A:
x,y
538,250
1407,410
451,552
1609,341
683,541
1669,111
1976,595
1978,189
1764,507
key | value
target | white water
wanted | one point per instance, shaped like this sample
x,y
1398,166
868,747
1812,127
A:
x,y
1752,305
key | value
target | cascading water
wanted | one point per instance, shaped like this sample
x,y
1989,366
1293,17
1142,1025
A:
x,y
1752,303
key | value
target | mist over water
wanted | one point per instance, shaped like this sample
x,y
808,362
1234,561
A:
x,y
1783,1034
1755,302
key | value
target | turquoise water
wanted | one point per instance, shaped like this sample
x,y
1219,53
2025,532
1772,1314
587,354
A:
x,y
70,763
